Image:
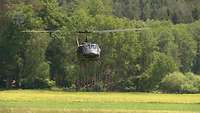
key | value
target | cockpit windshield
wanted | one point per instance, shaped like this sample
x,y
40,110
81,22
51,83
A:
x,y
92,46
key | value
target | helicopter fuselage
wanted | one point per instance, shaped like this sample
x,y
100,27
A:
x,y
89,50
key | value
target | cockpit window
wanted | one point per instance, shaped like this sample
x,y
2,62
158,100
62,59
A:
x,y
93,46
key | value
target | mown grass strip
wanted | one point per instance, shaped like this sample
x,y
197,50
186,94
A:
x,y
40,95
33,110
41,99
97,105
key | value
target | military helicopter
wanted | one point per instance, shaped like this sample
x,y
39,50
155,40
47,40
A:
x,y
87,49
92,50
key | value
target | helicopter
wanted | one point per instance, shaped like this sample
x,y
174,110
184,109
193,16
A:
x,y
92,50
88,50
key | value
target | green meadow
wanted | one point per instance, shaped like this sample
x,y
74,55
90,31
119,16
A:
x,y
39,101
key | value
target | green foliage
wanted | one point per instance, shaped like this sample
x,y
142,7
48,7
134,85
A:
x,y
173,82
97,7
187,47
28,50
195,30
125,85
177,11
180,83
37,83
52,15
160,67
192,85
130,61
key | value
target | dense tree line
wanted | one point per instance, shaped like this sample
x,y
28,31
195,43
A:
x,y
176,10
165,56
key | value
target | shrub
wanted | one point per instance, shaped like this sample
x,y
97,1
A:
x,y
189,88
193,83
177,82
125,85
161,66
173,82
37,83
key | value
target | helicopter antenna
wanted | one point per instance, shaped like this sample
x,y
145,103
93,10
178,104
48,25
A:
x,y
86,39
77,42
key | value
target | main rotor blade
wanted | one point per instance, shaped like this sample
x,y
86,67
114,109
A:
x,y
42,31
87,31
119,30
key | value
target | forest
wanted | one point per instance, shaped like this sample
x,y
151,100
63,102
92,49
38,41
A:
x,y
164,56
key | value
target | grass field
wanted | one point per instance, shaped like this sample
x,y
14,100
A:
x,y
36,101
